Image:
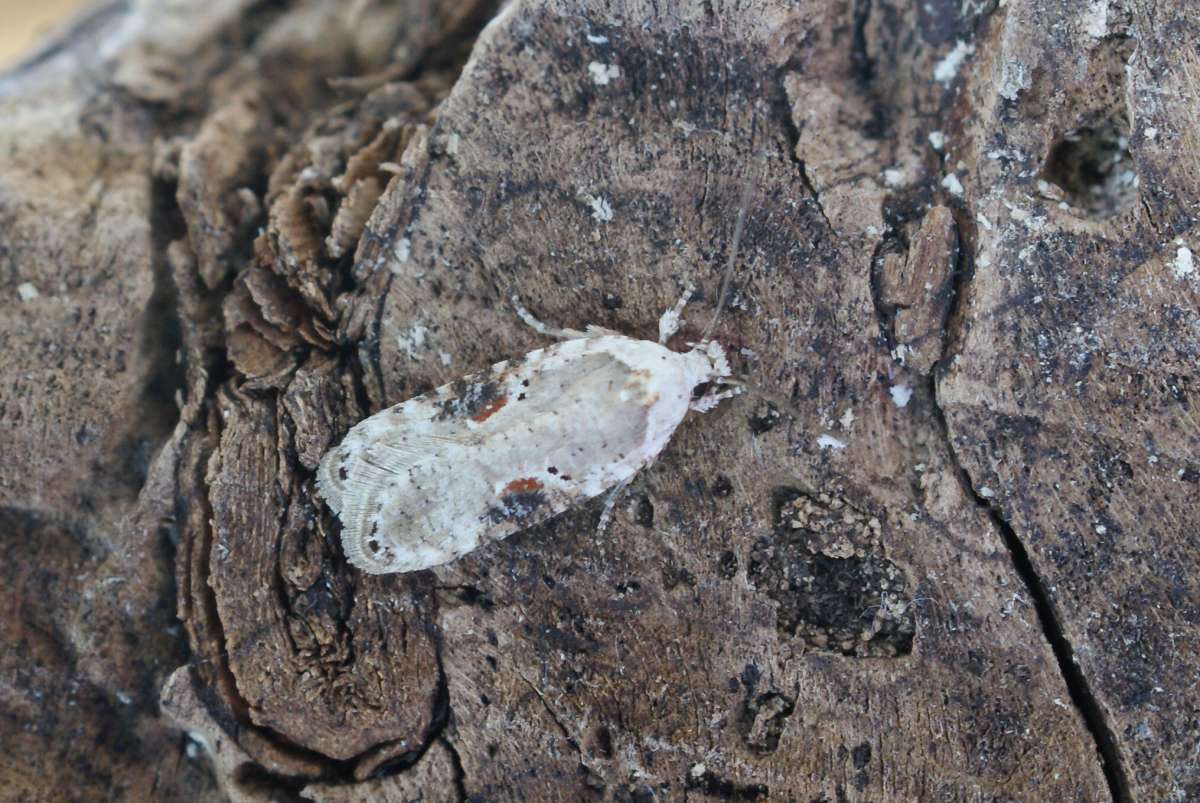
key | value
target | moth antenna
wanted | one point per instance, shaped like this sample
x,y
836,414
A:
x,y
738,227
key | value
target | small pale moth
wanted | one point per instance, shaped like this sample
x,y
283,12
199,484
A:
x,y
435,477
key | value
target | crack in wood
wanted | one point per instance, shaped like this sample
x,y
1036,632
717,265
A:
x,y
1082,697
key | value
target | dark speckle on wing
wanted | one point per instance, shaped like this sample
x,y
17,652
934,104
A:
x,y
516,506
476,400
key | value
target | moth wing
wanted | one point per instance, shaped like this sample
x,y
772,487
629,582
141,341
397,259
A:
x,y
379,469
575,425
371,454
495,452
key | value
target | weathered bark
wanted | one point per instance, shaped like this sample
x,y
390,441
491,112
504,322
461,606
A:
x,y
944,547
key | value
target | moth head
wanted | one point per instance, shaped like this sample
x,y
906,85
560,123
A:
x,y
716,359
711,359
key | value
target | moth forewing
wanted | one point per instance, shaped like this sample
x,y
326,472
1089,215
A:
x,y
433,478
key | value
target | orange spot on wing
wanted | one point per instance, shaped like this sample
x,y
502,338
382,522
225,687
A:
x,y
490,409
522,486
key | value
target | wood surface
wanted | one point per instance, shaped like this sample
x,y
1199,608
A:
x,y
944,547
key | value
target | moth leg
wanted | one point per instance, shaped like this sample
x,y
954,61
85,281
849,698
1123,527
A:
x,y
668,324
595,331
609,503
711,400
542,329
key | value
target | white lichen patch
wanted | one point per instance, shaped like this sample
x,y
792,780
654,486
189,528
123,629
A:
x,y
937,140
1014,76
413,341
403,250
1049,191
893,177
946,69
196,739
952,184
1184,264
1095,19
26,291
830,442
602,211
597,40
901,394
683,125
1024,217
602,74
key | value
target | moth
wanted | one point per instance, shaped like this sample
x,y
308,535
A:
x,y
474,461
430,479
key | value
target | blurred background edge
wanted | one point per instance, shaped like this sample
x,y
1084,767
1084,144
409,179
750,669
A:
x,y
26,24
